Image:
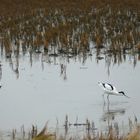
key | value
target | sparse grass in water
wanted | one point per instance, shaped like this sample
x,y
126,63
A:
x,y
91,133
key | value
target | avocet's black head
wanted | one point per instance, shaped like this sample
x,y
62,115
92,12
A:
x,y
121,92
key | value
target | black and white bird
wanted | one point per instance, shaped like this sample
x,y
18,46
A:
x,y
111,90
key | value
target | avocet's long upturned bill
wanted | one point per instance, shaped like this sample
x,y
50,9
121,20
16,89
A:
x,y
111,90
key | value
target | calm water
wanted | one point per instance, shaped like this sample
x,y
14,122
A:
x,y
39,91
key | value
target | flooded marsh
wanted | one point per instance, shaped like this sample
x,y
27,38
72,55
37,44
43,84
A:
x,y
52,58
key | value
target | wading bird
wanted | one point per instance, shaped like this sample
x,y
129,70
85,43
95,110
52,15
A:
x,y
111,90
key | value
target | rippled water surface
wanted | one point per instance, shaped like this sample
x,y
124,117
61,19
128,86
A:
x,y
36,90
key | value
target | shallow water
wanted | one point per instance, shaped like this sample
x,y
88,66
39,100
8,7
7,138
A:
x,y
39,91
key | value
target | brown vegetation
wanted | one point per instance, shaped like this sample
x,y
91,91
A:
x,y
113,132
17,6
66,28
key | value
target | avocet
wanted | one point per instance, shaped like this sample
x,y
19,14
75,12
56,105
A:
x,y
111,90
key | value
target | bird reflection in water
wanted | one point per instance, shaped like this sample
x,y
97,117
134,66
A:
x,y
109,116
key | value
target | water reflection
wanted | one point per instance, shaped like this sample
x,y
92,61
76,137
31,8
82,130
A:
x,y
110,60
63,71
14,65
109,113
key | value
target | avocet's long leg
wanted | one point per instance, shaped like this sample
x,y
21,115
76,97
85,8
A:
x,y
104,99
108,98
108,104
